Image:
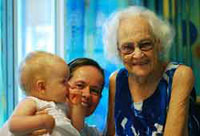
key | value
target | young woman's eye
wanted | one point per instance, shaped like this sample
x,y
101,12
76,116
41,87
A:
x,y
80,86
94,91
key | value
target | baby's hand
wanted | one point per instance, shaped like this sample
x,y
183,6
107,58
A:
x,y
41,112
74,97
74,101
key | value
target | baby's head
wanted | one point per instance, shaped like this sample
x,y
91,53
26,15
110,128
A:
x,y
45,76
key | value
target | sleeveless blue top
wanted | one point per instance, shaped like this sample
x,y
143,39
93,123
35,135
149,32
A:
x,y
146,118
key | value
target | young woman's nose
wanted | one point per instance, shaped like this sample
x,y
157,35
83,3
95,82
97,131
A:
x,y
86,92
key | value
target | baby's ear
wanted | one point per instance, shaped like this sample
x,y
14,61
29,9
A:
x,y
40,86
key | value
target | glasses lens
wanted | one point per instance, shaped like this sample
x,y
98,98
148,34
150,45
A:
x,y
146,46
127,48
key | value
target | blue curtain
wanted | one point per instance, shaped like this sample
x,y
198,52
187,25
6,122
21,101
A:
x,y
2,87
185,17
7,94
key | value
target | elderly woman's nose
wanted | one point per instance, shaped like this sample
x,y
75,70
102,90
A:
x,y
137,53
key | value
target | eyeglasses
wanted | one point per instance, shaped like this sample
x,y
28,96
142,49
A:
x,y
129,47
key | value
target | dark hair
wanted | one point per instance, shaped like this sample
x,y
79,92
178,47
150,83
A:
x,y
79,62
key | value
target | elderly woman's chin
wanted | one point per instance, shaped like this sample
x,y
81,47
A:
x,y
139,70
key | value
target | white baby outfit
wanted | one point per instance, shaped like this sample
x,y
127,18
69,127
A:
x,y
63,126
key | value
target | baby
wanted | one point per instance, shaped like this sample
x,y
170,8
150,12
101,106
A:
x,y
44,78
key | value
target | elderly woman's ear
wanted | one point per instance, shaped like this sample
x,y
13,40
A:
x,y
117,46
160,47
159,44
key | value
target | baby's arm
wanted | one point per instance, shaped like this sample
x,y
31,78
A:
x,y
25,121
77,111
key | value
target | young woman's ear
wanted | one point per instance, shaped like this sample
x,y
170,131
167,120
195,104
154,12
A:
x,y
40,85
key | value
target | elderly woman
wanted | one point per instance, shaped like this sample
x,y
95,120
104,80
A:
x,y
149,96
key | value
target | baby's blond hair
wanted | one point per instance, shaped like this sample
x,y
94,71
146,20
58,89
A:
x,y
37,65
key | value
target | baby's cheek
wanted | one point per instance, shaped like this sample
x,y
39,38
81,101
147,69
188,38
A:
x,y
67,91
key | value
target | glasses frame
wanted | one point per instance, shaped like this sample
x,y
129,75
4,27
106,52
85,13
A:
x,y
151,43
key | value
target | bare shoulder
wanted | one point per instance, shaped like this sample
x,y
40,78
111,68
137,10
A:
x,y
112,86
184,72
26,107
183,79
113,76
27,102
112,82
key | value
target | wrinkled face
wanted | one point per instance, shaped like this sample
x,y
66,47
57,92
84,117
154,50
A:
x,y
57,84
88,80
137,46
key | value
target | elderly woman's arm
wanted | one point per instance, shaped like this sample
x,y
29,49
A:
x,y
110,119
177,117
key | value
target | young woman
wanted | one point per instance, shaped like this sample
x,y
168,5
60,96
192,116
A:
x,y
86,78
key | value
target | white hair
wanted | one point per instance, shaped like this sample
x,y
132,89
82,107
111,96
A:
x,y
161,30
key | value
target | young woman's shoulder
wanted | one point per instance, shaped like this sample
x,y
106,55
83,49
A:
x,y
90,131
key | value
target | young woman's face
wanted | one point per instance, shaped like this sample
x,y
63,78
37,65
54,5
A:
x,y
88,80
137,46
